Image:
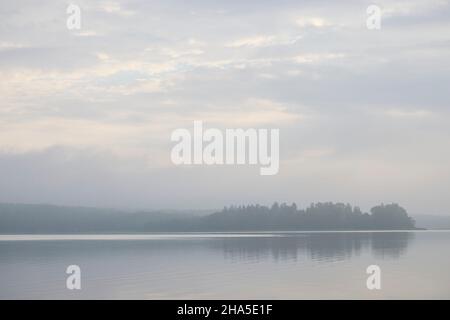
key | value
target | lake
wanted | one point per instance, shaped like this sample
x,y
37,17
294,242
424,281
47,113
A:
x,y
261,265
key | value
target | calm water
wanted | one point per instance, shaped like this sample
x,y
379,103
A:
x,y
313,265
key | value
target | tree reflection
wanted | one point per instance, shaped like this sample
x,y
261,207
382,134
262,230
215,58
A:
x,y
326,246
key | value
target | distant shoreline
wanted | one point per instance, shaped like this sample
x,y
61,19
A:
x,y
16,219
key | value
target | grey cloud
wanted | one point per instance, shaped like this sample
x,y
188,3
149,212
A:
x,y
361,99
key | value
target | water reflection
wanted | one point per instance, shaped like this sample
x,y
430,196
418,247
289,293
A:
x,y
316,246
321,246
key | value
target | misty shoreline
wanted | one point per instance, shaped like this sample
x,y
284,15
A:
x,y
279,218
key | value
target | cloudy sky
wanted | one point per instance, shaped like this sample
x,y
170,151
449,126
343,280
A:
x,y
86,115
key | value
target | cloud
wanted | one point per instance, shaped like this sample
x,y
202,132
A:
x,y
408,113
346,99
315,58
10,45
410,8
115,8
249,114
264,41
87,34
256,41
314,22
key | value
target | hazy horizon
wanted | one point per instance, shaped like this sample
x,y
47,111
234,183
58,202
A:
x,y
198,210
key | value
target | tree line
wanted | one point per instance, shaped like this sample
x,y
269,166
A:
x,y
318,216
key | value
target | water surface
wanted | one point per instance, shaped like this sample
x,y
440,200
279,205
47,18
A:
x,y
286,265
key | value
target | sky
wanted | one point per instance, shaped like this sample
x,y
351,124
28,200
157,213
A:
x,y
86,115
